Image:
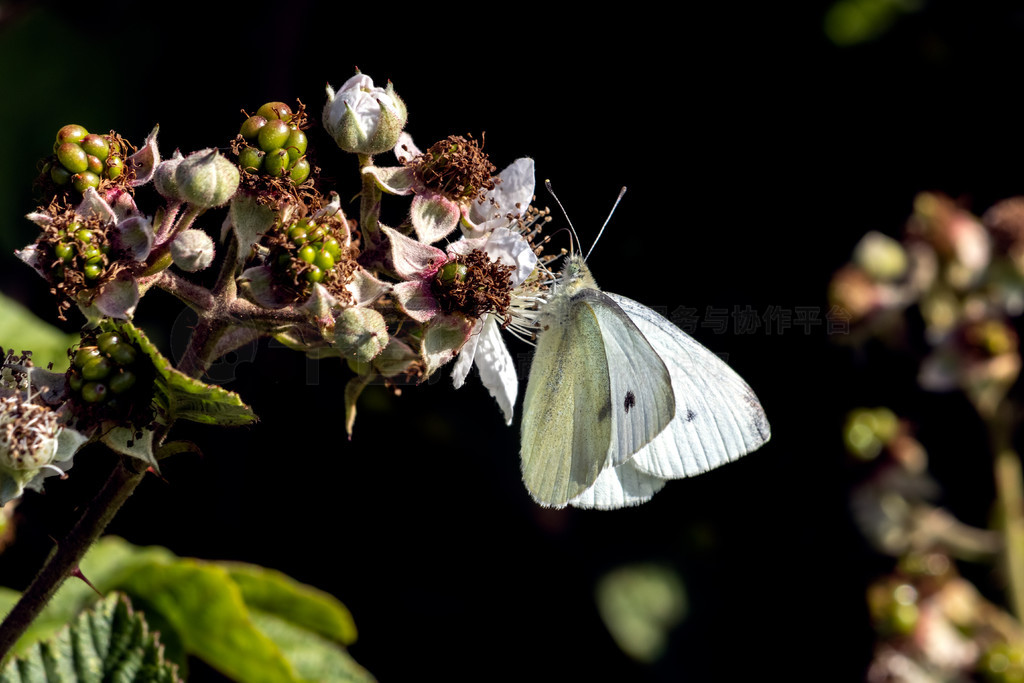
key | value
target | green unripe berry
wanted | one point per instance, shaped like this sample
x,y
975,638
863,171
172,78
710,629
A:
x,y
300,171
452,272
94,392
96,145
84,355
107,341
60,175
273,135
64,251
275,110
307,253
324,260
75,381
297,235
82,235
71,133
95,165
97,368
92,271
122,381
73,157
296,144
122,353
91,252
250,129
314,274
250,157
114,167
275,164
315,232
333,247
83,181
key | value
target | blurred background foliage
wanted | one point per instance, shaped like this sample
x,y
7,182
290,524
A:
x,y
760,143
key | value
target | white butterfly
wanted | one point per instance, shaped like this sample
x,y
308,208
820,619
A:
x,y
620,400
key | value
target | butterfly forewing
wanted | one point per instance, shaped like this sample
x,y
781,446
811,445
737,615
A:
x,y
717,416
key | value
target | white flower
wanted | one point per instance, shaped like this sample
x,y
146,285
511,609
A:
x,y
485,347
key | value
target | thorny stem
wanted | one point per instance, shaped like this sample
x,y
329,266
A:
x,y
1010,501
64,558
369,204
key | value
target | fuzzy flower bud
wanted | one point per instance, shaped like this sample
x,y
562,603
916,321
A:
x,y
206,179
192,250
362,118
164,178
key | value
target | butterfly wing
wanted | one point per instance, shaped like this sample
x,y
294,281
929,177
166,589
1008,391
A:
x,y
717,416
641,400
564,433
598,393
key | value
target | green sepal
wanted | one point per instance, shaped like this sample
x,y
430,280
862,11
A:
x,y
110,642
180,397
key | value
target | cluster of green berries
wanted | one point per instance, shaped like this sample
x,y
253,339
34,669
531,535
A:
x,y
82,158
277,146
103,369
79,248
310,253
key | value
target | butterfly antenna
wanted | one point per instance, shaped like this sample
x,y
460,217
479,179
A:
x,y
547,184
606,220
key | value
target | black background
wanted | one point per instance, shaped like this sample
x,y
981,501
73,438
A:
x,y
756,153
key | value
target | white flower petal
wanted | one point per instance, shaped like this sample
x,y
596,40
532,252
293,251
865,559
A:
x,y
464,361
511,196
497,369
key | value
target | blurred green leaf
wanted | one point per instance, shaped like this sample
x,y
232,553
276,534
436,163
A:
x,y
640,604
228,614
23,330
849,22
110,642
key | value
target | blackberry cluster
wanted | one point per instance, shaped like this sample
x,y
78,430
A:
x,y
109,373
81,249
276,145
309,254
82,159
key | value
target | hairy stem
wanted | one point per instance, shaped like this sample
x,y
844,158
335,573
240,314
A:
x,y
369,205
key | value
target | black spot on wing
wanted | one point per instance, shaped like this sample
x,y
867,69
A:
x,y
629,401
690,415
606,410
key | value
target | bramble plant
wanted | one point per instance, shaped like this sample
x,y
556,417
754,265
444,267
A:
x,y
292,266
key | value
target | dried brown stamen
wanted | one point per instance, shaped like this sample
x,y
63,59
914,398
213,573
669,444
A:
x,y
456,167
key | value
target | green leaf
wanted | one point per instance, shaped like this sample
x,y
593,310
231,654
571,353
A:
x,y
641,604
182,397
22,330
314,658
111,642
278,594
230,615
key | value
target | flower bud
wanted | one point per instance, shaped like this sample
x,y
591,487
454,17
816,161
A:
x,y
164,178
192,250
362,118
360,333
206,179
